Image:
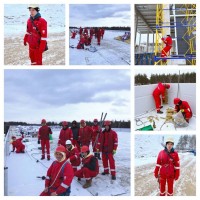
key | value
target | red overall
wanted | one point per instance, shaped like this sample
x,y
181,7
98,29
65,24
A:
x,y
43,135
107,143
65,134
36,38
99,36
96,132
168,170
166,49
159,90
18,145
85,135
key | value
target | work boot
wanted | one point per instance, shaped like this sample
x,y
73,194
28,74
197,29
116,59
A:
x,y
42,158
88,183
161,106
113,177
79,179
104,173
48,158
98,156
159,112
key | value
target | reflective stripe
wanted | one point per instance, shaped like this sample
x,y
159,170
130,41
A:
x,y
87,178
162,193
76,156
157,165
64,185
106,168
115,143
112,170
188,109
47,177
176,167
42,38
28,33
74,167
170,194
33,63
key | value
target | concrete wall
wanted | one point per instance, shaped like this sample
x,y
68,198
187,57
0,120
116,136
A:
x,y
144,100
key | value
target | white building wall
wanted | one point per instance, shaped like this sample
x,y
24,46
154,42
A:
x,y
144,100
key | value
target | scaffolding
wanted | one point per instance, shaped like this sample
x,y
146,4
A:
x,y
165,26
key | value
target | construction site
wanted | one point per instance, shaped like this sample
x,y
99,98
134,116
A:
x,y
165,34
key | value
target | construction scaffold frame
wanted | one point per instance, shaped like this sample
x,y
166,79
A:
x,y
188,12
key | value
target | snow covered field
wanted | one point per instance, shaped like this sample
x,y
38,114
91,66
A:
x,y
147,148
110,52
23,170
15,19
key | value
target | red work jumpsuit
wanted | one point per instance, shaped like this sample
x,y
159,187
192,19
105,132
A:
x,y
168,170
159,90
65,134
96,132
60,184
107,143
89,169
43,135
18,145
36,38
99,36
166,49
74,157
187,110
85,135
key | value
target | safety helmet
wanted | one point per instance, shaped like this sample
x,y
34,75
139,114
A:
x,y
68,142
43,121
169,140
35,6
84,149
176,101
82,121
64,123
95,120
107,123
167,85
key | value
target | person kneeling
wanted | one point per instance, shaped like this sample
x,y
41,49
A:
x,y
90,167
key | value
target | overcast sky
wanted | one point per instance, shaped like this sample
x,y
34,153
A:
x,y
58,95
99,15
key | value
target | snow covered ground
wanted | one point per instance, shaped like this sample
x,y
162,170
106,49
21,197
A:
x,y
147,148
110,52
24,168
143,120
15,19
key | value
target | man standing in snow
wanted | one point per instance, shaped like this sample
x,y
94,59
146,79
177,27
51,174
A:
x,y
65,134
160,90
59,175
108,144
36,35
96,133
43,135
75,130
90,167
167,168
99,36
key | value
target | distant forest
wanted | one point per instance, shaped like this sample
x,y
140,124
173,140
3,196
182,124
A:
x,y
186,142
142,79
115,124
125,28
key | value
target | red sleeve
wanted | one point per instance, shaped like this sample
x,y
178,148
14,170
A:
x,y
67,180
48,176
71,134
177,166
75,156
43,32
115,141
158,165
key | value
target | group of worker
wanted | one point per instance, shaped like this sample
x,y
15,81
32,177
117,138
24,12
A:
x,y
180,105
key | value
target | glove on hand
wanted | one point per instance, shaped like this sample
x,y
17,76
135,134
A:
x,y
114,152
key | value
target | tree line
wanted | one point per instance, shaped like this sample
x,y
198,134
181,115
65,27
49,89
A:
x,y
115,124
186,142
142,79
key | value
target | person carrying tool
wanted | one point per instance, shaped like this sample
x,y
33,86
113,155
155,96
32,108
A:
x,y
90,167
167,168
108,144
160,90
59,175
168,41
43,135
184,107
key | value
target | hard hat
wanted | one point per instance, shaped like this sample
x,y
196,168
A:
x,y
43,121
169,140
107,123
167,85
176,101
33,6
64,123
84,149
95,120
82,121
68,142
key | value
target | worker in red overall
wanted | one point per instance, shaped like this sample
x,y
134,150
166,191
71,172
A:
x,y
160,91
167,168
168,41
36,35
17,144
184,107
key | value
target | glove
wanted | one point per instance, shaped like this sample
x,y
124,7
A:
x,y
114,152
176,175
25,43
182,110
42,46
25,39
38,141
12,151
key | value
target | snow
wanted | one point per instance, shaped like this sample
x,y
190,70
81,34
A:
x,y
142,121
110,52
16,16
24,168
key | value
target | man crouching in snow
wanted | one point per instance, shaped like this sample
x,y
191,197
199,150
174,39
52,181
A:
x,y
90,167
59,175
17,143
